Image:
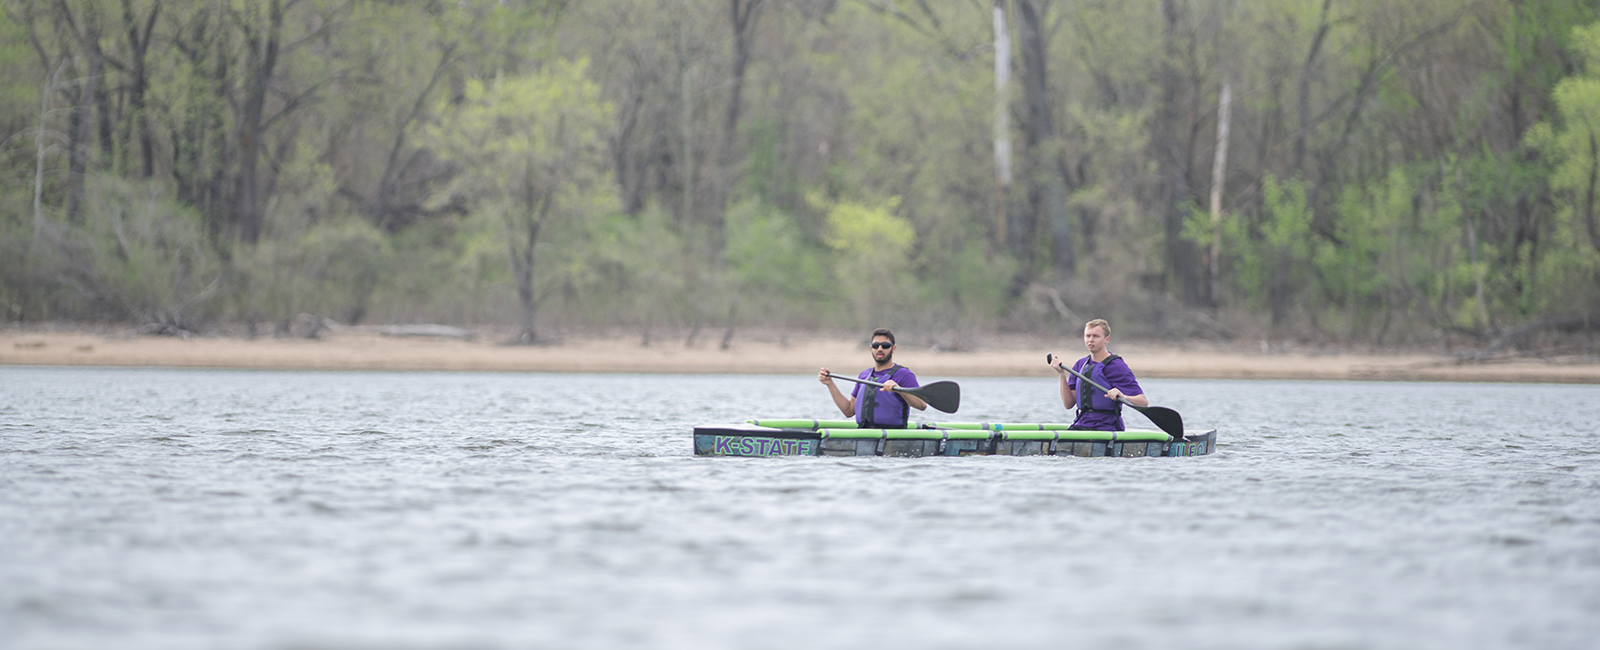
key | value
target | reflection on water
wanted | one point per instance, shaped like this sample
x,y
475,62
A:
x,y
209,509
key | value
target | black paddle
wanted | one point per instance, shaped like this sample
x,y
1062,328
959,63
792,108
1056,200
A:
x,y
1166,419
942,395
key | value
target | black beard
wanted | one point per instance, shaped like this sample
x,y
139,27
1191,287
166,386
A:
x,y
888,357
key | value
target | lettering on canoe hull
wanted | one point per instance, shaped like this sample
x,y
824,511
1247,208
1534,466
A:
x,y
751,446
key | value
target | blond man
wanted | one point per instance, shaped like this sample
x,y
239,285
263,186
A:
x,y
1098,411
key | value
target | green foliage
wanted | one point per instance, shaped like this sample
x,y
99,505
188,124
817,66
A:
x,y
463,162
1535,39
530,152
328,271
19,95
1575,145
641,268
864,233
1279,249
1439,268
1570,268
775,266
874,247
20,284
446,271
1366,266
962,286
141,257
1288,219
524,141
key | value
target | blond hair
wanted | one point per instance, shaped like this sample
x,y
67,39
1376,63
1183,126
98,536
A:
x,y
1100,323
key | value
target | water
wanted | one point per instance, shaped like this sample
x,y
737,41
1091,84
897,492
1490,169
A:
x,y
293,510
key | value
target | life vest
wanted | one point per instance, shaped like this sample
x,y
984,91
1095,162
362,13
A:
x,y
1091,400
867,408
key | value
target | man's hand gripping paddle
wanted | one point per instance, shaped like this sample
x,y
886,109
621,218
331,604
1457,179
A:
x,y
1165,419
942,395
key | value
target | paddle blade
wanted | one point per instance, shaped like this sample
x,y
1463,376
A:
x,y
942,395
1165,419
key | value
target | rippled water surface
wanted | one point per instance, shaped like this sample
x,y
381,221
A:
x,y
218,509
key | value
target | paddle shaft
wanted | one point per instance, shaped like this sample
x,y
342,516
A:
x,y
1050,359
942,395
867,382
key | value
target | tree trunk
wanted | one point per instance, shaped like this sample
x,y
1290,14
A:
x,y
80,124
1047,191
1219,176
263,60
630,181
733,314
95,94
1589,196
1304,100
102,102
1002,122
202,152
382,206
1278,294
80,129
522,263
685,130
743,16
38,171
139,44
1172,140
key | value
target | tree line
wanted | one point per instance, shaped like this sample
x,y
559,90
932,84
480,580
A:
x,y
1346,171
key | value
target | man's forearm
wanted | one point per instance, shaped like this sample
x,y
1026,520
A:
x,y
845,404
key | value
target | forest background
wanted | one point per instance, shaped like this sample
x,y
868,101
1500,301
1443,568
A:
x,y
1348,172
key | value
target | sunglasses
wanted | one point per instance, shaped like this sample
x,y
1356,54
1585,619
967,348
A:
x,y
882,346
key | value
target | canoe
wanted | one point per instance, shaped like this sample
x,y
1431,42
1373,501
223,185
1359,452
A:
x,y
795,437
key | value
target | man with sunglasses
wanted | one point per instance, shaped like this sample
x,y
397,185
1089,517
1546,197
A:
x,y
880,408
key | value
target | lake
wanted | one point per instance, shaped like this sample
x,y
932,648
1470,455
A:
x,y
150,508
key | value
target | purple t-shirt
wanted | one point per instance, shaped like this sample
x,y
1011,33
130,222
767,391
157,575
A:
x,y
891,410
1118,376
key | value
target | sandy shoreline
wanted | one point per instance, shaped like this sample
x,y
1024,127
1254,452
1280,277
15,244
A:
x,y
351,350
